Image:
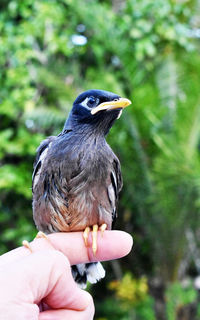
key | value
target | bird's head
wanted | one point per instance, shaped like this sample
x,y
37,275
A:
x,y
97,109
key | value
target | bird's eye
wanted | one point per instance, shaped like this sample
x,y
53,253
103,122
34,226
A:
x,y
91,102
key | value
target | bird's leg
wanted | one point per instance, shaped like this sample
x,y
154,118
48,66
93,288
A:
x,y
94,238
95,229
103,228
27,245
86,235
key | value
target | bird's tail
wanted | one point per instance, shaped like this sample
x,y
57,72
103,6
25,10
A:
x,y
91,272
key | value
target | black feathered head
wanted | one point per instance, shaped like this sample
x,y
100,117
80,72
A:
x,y
97,109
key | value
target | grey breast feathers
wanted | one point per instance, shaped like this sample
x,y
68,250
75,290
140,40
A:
x,y
71,190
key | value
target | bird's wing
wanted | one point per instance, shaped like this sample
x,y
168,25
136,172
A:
x,y
118,183
40,156
114,187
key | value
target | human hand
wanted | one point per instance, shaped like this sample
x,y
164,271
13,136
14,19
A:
x,y
43,278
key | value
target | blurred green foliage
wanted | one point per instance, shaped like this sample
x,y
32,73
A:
x,y
145,50
178,296
129,290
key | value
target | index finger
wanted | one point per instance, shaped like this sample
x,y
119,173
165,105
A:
x,y
113,245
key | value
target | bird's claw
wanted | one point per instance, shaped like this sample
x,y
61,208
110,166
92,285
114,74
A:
x,y
86,235
27,245
95,229
103,228
94,238
40,234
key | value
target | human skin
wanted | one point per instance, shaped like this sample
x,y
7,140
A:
x,y
39,284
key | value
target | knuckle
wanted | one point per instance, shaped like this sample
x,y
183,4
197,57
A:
x,y
58,258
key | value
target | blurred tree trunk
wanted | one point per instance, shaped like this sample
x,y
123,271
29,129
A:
x,y
118,5
157,290
116,269
189,311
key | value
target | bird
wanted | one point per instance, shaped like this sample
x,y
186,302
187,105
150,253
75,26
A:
x,y
77,177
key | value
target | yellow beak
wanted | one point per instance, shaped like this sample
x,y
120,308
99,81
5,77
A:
x,y
121,103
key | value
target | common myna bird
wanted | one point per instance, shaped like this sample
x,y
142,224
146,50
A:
x,y
77,177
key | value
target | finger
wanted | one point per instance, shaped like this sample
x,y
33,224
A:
x,y
86,314
44,275
18,253
114,244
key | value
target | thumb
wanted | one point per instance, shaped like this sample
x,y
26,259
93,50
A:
x,y
44,275
62,314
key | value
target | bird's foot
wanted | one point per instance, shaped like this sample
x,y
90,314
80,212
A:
x,y
95,229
